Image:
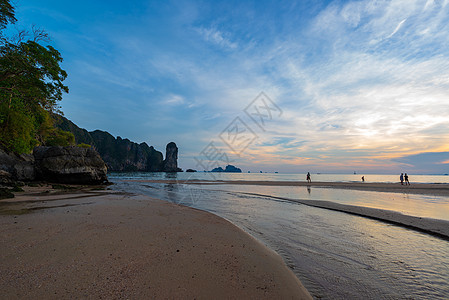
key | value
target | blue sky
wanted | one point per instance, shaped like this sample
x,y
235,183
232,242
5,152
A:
x,y
360,85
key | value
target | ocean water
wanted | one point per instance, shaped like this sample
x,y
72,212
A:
x,y
334,254
281,177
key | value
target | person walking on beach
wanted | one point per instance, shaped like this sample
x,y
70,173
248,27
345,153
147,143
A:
x,y
406,179
402,178
308,177
363,178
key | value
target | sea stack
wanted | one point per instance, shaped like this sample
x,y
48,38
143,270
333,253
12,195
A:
x,y
170,163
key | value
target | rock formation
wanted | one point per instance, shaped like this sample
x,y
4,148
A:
x,y
118,154
171,158
69,165
232,169
19,167
53,164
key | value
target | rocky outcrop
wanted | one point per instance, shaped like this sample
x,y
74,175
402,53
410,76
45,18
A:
x,y
54,164
171,158
19,167
232,169
74,165
118,154
123,155
228,169
5,178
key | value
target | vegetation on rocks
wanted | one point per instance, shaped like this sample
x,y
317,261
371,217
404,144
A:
x,y
31,85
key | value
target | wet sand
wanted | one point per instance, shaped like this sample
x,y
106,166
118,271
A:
x,y
105,245
436,189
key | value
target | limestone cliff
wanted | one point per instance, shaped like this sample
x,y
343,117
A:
x,y
118,154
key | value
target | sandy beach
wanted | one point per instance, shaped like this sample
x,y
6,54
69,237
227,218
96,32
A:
x,y
98,244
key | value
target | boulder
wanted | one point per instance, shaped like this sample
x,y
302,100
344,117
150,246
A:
x,y
5,178
73,165
170,163
20,167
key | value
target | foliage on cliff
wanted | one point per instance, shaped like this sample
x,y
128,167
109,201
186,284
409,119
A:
x,y
30,87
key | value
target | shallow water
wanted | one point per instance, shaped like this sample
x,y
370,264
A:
x,y
426,206
336,255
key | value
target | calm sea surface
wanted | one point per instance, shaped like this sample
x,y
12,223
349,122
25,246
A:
x,y
335,255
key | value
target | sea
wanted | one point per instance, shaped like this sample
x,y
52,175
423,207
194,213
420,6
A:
x,y
336,255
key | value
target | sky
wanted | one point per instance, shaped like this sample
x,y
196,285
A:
x,y
287,86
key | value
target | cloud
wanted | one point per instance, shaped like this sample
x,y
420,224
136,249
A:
x,y
396,29
174,100
217,37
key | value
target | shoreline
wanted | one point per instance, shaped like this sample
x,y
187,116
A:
x,y
435,189
93,243
436,227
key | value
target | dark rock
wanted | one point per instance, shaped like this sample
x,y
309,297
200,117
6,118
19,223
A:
x,y
73,165
5,178
124,155
228,169
171,158
232,169
190,171
20,167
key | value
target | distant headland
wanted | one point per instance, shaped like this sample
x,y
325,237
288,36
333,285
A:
x,y
123,155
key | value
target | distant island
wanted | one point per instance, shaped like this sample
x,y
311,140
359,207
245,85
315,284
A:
x,y
228,169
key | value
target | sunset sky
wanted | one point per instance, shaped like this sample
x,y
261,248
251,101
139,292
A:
x,y
353,85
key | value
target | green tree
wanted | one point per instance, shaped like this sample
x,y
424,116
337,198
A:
x,y
31,85
7,14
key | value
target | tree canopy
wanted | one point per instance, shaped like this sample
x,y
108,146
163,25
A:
x,y
7,14
31,85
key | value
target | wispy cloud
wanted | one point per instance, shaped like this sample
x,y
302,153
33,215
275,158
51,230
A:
x,y
217,37
173,100
397,28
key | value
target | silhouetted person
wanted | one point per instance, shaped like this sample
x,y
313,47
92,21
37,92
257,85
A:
x,y
308,177
363,178
406,179
402,178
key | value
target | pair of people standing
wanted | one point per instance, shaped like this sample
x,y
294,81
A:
x,y
404,178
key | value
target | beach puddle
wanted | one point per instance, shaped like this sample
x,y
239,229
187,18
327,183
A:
x,y
24,208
